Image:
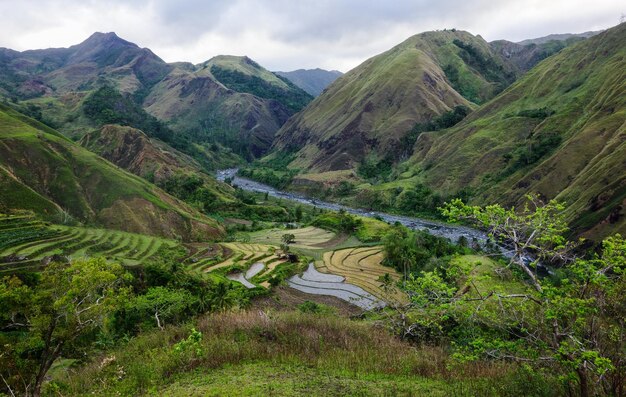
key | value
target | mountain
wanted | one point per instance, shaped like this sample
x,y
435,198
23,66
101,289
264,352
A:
x,y
526,54
176,173
231,100
313,81
370,110
42,171
228,101
559,37
153,160
136,152
559,131
78,68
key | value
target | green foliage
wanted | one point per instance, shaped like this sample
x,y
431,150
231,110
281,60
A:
x,y
419,199
345,188
194,189
54,317
193,343
534,149
374,168
484,65
293,99
288,238
340,222
415,251
315,308
567,324
540,113
445,120
163,304
277,179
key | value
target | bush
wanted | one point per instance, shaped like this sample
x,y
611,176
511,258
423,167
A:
x,y
416,251
340,222
443,121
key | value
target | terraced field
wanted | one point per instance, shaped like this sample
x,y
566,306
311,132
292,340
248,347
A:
x,y
27,243
249,264
363,267
308,237
316,283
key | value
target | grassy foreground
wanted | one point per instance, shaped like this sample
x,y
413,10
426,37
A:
x,y
285,354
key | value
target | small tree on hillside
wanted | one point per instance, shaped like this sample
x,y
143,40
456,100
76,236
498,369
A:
x,y
288,238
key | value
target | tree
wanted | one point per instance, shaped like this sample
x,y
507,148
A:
x,y
536,230
573,323
40,323
288,238
163,304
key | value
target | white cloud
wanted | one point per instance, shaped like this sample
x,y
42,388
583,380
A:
x,y
286,34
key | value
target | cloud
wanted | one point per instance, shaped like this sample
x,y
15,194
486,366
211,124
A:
x,y
287,34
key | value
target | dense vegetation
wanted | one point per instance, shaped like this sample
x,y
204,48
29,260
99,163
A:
x,y
413,252
106,105
294,99
272,171
251,294
563,324
445,120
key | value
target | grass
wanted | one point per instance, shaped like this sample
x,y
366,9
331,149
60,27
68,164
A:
x,y
486,275
582,90
284,354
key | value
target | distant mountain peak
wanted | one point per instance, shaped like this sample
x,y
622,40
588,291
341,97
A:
x,y
99,38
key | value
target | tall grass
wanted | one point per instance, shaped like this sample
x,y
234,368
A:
x,y
328,343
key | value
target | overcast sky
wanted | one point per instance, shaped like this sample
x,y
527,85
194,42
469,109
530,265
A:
x,y
289,34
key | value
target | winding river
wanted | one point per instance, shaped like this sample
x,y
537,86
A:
x,y
452,232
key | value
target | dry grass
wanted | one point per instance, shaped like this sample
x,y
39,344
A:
x,y
308,237
333,346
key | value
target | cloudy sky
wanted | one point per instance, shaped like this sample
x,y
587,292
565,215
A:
x,y
289,34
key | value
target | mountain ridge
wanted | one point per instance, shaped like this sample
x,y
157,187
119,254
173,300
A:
x,y
313,81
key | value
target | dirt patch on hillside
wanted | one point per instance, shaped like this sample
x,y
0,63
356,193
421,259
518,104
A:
x,y
285,298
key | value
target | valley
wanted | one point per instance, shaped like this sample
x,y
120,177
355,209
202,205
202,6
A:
x,y
445,218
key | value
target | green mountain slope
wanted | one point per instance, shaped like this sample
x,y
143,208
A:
x,y
42,171
313,81
176,173
153,160
371,109
242,74
559,131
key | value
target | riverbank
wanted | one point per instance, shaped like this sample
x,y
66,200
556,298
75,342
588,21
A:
x,y
452,232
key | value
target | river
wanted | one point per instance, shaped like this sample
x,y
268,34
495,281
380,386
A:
x,y
452,232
